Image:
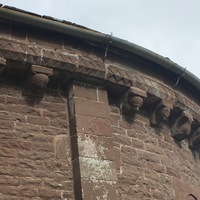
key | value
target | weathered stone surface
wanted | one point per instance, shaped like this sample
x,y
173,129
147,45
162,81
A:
x,y
33,154
160,113
95,147
86,92
62,147
98,109
92,143
185,191
194,139
93,125
114,156
2,64
119,76
99,189
182,126
91,67
133,100
92,168
43,70
102,95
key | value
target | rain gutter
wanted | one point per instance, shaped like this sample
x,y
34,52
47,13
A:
x,y
91,35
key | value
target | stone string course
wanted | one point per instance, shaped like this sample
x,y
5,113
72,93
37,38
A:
x,y
91,67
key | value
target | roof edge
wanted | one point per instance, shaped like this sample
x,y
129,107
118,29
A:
x,y
91,35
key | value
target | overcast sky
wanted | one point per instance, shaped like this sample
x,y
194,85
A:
x,y
170,28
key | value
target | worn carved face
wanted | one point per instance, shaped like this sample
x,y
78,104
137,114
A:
x,y
164,113
194,139
39,81
136,102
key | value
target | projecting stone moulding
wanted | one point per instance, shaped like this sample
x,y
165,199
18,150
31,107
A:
x,y
194,139
38,79
133,100
180,123
160,112
181,126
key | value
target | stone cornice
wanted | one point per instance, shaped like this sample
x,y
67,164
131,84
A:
x,y
75,63
167,99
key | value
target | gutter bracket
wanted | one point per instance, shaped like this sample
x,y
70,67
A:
x,y
109,43
178,79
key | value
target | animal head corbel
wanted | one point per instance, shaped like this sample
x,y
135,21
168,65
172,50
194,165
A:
x,y
182,126
194,138
160,112
133,100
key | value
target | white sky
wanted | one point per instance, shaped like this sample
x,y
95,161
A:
x,y
170,28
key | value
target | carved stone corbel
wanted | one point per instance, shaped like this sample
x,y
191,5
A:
x,y
182,126
133,100
194,139
38,79
161,112
2,64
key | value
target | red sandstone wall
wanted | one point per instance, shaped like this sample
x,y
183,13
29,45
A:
x,y
150,164
35,159
35,151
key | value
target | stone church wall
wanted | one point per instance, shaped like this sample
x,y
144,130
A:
x,y
150,164
35,156
77,122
